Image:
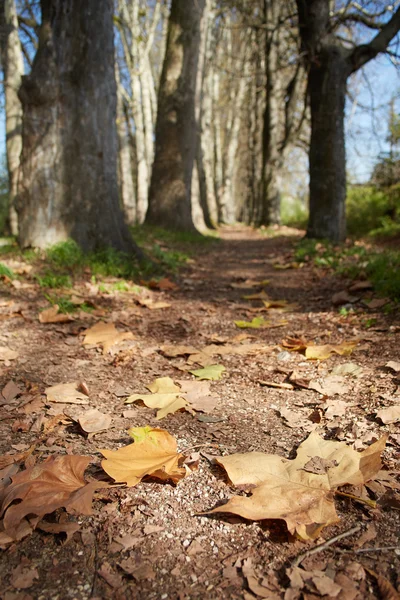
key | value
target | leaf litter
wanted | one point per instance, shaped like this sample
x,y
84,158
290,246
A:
x,y
247,420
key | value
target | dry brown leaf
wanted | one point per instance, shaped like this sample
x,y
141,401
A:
x,y
284,490
7,354
394,365
253,582
51,315
93,421
105,335
174,351
386,590
389,415
318,352
67,393
154,453
198,394
55,483
330,386
152,305
24,575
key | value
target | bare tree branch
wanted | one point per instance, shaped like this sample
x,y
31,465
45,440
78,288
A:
x,y
366,52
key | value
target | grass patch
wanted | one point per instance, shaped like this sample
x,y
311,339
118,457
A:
x,y
54,280
6,272
354,261
66,306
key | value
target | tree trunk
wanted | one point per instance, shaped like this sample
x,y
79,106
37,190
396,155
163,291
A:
x,y
327,89
272,158
170,190
126,183
13,69
69,185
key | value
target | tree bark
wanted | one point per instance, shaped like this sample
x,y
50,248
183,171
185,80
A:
x,y
170,190
329,65
13,69
127,190
327,90
69,185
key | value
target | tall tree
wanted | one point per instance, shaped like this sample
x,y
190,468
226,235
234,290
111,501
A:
x,y
13,69
330,62
176,139
69,160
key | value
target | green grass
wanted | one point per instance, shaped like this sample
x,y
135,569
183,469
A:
x,y
381,267
6,272
66,306
54,280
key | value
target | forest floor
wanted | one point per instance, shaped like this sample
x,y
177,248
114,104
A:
x,y
149,540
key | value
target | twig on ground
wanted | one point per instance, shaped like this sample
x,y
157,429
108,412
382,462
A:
x,y
325,545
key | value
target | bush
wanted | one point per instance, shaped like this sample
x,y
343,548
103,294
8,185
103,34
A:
x,y
293,212
367,209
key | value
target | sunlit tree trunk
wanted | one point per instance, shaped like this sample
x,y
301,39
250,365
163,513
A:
x,y
69,185
126,183
170,191
227,199
13,70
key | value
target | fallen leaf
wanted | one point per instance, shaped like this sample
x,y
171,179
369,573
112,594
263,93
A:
x,y
51,315
93,421
325,351
173,351
162,284
284,490
154,453
7,354
152,305
10,391
55,483
367,536
254,584
330,386
349,368
66,393
394,365
259,323
105,335
198,394
113,578
389,415
23,576
318,352
386,590
212,372
377,303
69,528
166,397
359,286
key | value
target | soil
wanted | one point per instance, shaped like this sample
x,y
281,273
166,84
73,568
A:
x,y
150,541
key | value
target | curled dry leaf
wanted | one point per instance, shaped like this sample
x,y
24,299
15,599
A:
x,y
67,393
154,453
106,335
318,352
394,365
285,490
57,482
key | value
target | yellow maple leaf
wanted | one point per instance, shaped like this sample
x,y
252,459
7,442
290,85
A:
x,y
153,453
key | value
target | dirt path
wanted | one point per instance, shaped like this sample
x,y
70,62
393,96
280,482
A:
x,y
148,541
